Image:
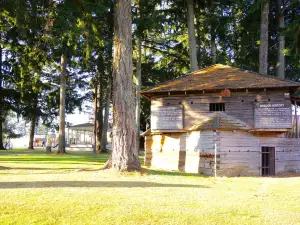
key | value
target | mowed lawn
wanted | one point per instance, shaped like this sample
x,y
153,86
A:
x,y
36,188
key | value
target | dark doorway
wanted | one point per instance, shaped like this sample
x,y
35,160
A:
x,y
267,161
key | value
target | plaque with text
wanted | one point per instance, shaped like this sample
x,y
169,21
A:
x,y
273,115
167,117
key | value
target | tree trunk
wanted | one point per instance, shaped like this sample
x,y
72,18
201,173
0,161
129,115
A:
x,y
1,133
198,34
1,113
33,122
95,114
62,100
263,48
125,155
191,30
31,133
281,58
100,104
138,89
99,118
213,50
109,79
106,113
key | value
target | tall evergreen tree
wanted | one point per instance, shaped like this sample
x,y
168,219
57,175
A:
x,y
263,48
124,154
191,31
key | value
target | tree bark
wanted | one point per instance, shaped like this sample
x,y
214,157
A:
x,y
125,154
31,133
109,79
213,50
138,89
62,99
99,118
281,58
33,122
106,113
1,134
1,115
191,31
100,104
198,34
95,114
263,48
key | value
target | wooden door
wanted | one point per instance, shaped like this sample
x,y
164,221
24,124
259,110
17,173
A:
x,y
267,161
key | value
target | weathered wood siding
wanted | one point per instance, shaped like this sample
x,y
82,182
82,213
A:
x,y
238,153
163,151
179,151
239,104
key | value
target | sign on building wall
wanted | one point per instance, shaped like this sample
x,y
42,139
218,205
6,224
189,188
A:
x,y
167,117
273,115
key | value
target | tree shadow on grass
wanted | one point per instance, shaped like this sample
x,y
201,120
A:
x,y
37,168
98,184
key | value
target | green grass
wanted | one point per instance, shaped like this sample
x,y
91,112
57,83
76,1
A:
x,y
36,188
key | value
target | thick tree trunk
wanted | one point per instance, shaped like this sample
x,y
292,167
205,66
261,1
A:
x,y
192,41
138,89
263,48
62,99
1,113
281,58
125,154
31,133
95,114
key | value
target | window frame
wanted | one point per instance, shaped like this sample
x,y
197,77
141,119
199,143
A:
x,y
217,107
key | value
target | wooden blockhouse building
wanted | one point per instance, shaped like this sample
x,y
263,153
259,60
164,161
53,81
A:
x,y
225,121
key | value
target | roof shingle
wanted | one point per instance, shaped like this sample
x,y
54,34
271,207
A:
x,y
221,77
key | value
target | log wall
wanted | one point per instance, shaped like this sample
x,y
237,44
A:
x,y
179,151
239,104
238,153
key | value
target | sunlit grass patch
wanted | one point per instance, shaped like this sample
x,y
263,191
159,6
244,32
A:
x,y
36,188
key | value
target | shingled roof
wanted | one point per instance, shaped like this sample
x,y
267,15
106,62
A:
x,y
218,77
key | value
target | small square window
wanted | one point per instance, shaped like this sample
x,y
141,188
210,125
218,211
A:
x,y
216,107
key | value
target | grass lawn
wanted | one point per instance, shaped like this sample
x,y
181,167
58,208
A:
x,y
36,188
